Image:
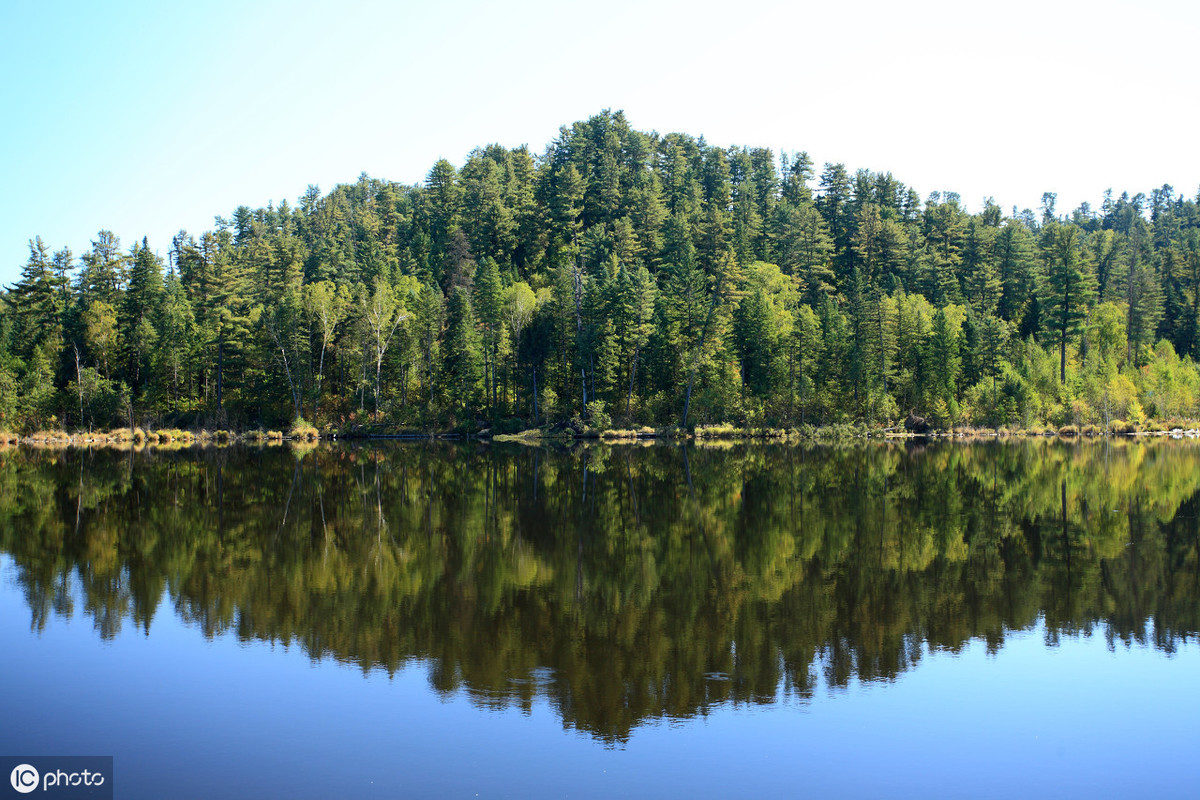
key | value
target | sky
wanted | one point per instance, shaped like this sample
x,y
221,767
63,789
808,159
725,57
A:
x,y
145,118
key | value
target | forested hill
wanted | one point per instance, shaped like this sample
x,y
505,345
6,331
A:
x,y
619,277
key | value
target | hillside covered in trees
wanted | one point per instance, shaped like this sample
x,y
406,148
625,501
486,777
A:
x,y
619,277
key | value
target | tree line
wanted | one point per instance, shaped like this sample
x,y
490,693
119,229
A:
x,y
620,277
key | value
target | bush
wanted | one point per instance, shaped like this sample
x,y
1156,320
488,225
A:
x,y
168,435
724,431
509,425
597,416
1119,427
302,430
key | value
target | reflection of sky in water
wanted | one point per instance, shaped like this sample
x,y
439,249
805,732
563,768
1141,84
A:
x,y
185,716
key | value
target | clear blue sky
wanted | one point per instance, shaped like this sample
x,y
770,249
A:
x,y
148,117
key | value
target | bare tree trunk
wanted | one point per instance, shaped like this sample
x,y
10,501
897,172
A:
x,y
632,375
79,384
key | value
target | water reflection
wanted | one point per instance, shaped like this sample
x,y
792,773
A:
x,y
621,584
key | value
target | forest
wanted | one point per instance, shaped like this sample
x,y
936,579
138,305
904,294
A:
x,y
619,278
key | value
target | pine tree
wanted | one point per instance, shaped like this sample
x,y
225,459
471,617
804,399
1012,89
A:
x,y
1069,288
174,358
756,340
463,356
1143,296
804,353
38,304
640,301
135,316
725,282
945,226
488,295
429,315
834,205
438,211
944,364
103,276
226,316
1014,269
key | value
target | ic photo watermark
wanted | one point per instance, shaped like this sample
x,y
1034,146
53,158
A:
x,y
58,776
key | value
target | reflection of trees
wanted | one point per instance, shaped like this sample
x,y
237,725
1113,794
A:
x,y
622,583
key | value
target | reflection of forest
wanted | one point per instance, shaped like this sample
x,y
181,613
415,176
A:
x,y
619,583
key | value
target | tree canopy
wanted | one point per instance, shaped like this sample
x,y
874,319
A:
x,y
620,275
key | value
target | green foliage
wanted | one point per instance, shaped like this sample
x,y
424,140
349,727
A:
x,y
463,358
661,275
598,417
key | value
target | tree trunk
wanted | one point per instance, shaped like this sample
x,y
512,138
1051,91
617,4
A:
x,y
632,374
220,374
79,385
320,377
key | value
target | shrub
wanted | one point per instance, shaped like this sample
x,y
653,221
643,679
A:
x,y
723,431
597,416
302,430
1119,427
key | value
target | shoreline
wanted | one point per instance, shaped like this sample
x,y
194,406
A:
x,y
701,435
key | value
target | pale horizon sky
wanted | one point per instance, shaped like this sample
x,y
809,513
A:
x,y
144,118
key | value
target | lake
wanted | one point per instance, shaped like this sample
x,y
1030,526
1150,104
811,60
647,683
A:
x,y
473,620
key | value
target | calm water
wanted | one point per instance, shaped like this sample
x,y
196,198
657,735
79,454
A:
x,y
446,621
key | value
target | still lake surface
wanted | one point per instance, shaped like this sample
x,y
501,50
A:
x,y
433,620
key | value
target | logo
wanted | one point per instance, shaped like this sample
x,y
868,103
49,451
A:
x,y
60,776
24,778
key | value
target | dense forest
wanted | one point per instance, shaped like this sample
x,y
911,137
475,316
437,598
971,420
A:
x,y
619,278
617,581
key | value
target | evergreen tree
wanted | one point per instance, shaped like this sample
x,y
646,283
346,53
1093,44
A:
x,y
1069,288
1014,269
488,297
756,337
463,356
834,205
103,276
37,303
175,357
135,317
